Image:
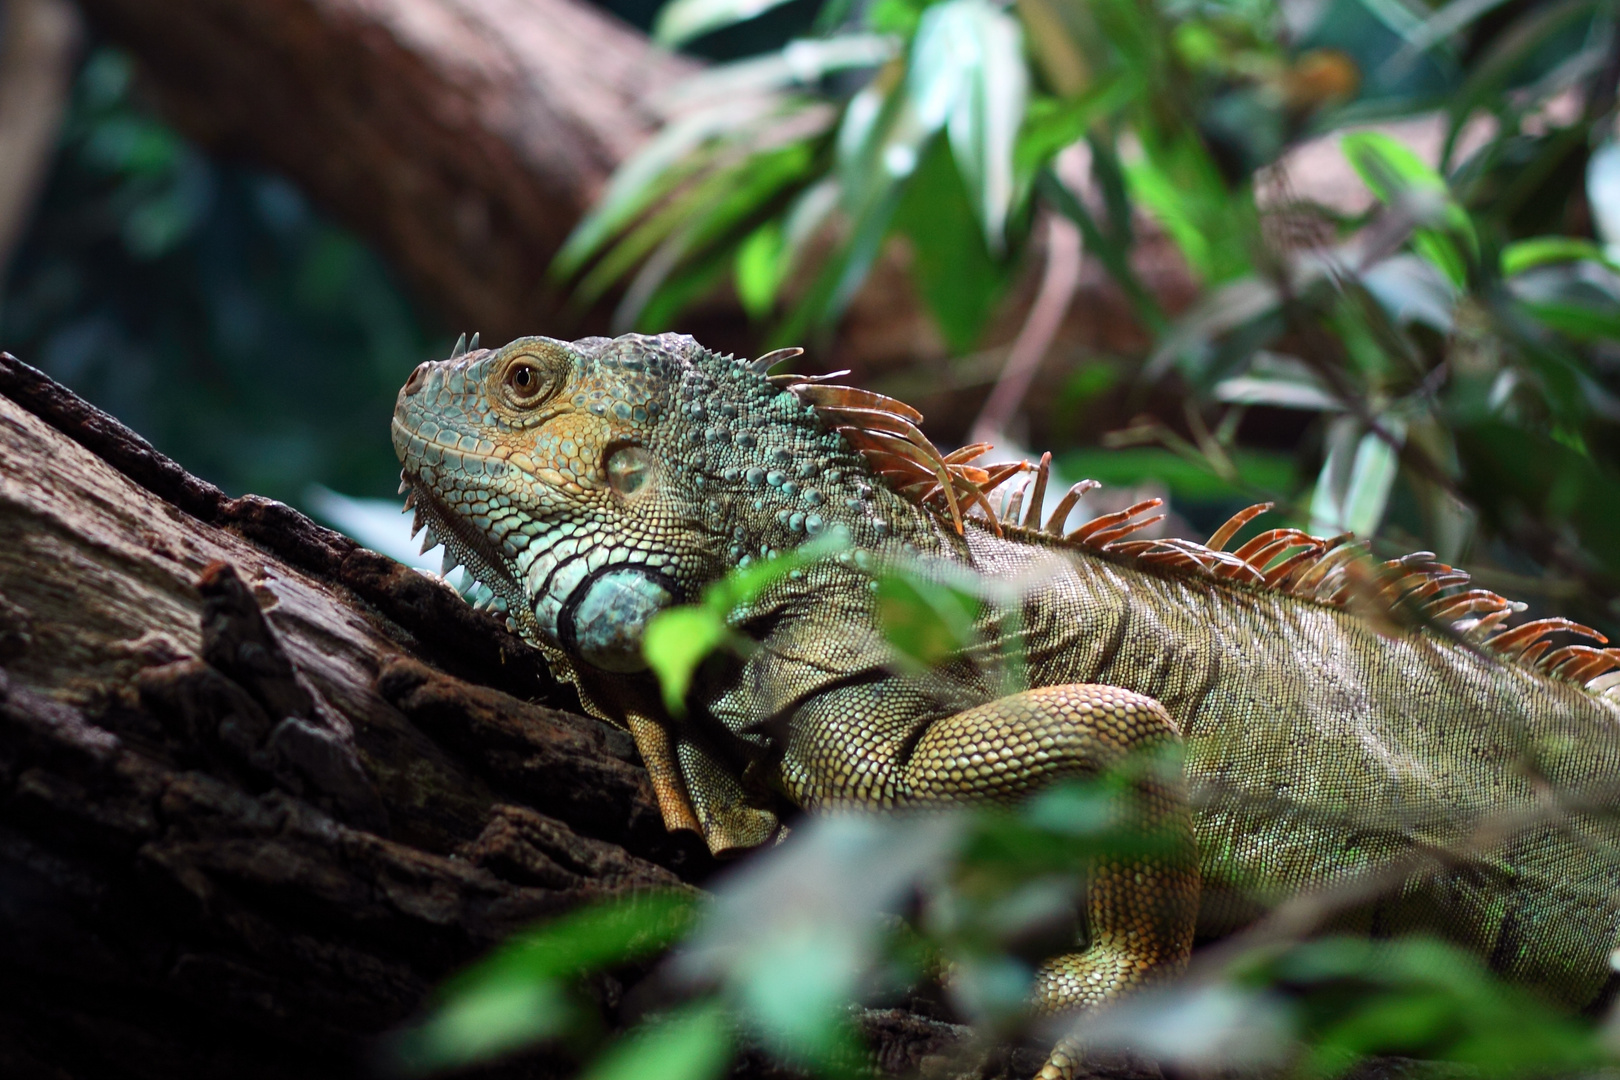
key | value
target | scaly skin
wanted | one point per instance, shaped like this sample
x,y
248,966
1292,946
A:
x,y
590,484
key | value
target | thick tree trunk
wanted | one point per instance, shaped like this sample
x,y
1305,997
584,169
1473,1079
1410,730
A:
x,y
463,137
261,788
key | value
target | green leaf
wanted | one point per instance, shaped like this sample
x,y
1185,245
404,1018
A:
x,y
691,1044
950,263
1215,226
1050,123
1195,481
675,643
1505,55
485,1022
1439,250
799,63
682,20
1395,174
699,219
1231,307
590,938
1111,248
1509,471
1278,392
1419,997
796,934
759,269
651,173
968,74
1352,490
1522,255
1583,322
522,992
1388,166
927,622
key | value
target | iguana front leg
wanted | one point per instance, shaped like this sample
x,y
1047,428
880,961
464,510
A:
x,y
851,747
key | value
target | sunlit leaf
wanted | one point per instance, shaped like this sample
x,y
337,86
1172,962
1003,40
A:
x,y
692,1044
759,269
1050,124
1214,225
1281,382
679,21
616,930
1411,289
799,63
675,643
705,215
1395,174
648,174
968,75
1353,488
1522,255
485,1022
1603,192
678,640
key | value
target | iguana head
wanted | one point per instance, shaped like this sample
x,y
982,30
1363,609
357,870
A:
x,y
589,484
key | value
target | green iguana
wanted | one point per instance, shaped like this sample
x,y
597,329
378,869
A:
x,y
592,484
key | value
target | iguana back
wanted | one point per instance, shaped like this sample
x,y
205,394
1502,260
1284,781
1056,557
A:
x,y
1322,751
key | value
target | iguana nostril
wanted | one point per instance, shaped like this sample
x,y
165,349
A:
x,y
414,383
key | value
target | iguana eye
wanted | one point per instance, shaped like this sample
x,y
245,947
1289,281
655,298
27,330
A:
x,y
525,382
628,469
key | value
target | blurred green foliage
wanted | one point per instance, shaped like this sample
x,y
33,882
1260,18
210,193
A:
x,y
208,306
1446,345
796,939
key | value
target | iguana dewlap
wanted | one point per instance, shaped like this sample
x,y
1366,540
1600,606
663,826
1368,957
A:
x,y
591,484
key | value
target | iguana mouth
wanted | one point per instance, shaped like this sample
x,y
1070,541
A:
x,y
466,544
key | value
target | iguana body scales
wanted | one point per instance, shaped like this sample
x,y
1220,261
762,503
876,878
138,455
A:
x,y
594,483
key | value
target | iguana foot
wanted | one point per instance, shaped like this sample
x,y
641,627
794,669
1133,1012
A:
x,y
1062,1062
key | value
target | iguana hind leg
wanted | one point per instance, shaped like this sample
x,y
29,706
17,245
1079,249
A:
x,y
1140,910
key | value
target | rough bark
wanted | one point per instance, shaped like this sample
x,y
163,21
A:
x,y
261,788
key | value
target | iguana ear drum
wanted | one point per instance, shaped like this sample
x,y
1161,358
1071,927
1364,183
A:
x,y
604,618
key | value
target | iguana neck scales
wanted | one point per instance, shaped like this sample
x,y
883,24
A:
x,y
1336,717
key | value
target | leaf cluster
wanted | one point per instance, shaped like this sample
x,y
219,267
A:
x,y
1445,341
